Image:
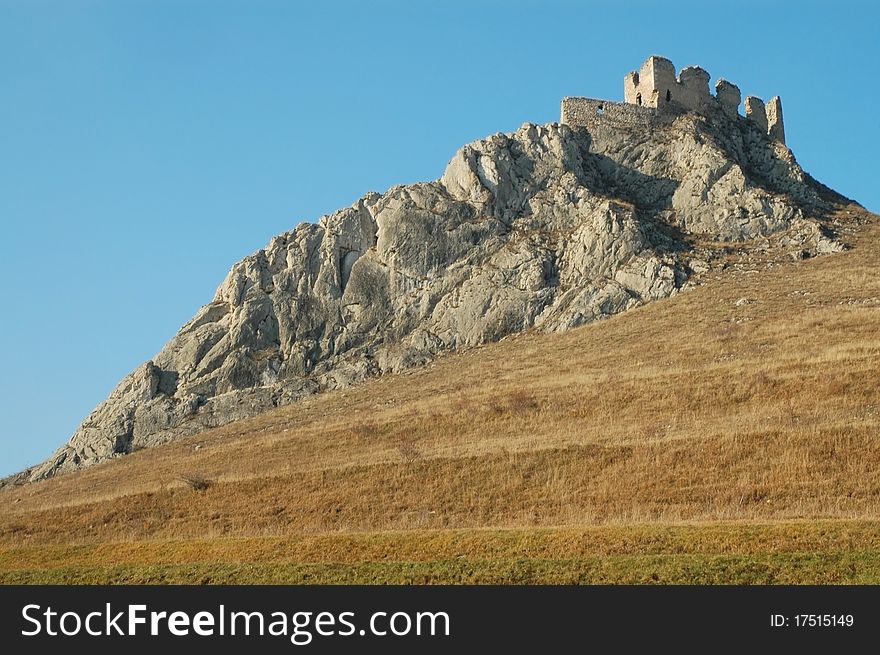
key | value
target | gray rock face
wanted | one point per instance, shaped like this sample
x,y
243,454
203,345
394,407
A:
x,y
547,228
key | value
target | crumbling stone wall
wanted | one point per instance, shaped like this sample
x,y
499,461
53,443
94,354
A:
x,y
591,112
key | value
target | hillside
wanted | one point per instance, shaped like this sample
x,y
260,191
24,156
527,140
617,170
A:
x,y
724,434
547,228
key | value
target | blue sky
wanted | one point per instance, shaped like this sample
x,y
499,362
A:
x,y
147,145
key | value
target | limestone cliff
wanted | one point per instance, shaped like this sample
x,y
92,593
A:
x,y
547,228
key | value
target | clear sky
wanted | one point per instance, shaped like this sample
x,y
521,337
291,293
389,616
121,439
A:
x,y
147,145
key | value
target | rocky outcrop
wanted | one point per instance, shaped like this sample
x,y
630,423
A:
x,y
547,228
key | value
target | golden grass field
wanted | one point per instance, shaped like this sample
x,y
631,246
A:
x,y
726,435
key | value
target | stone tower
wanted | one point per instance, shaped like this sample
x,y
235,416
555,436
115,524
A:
x,y
656,85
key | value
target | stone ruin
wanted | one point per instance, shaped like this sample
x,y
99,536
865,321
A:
x,y
657,88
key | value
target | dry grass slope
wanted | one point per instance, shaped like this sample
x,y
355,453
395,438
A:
x,y
700,432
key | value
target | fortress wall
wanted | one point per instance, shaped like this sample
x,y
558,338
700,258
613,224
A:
x,y
589,112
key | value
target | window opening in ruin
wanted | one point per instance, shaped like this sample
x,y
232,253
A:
x,y
668,95
639,98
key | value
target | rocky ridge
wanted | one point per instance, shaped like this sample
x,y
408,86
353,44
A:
x,y
546,228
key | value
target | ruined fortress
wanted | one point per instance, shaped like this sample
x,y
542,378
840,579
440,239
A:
x,y
655,95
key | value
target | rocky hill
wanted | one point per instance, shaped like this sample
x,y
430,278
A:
x,y
546,228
